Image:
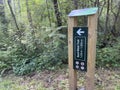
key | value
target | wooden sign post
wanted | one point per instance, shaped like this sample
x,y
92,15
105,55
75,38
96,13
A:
x,y
91,37
72,22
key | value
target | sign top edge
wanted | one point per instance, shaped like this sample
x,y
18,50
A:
x,y
83,12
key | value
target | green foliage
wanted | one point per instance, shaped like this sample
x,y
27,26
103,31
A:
x,y
109,56
46,51
23,68
46,48
9,85
117,87
23,63
55,49
5,61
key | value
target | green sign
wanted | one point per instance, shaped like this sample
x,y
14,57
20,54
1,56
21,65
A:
x,y
83,12
80,40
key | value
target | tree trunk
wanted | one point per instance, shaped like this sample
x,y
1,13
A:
x,y
106,24
3,21
48,12
30,19
114,32
13,15
57,13
75,4
18,32
19,8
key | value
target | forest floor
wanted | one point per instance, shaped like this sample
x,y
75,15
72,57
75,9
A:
x,y
105,79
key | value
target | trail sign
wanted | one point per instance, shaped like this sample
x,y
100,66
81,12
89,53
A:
x,y
80,55
80,40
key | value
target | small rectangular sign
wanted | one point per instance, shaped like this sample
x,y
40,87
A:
x,y
80,40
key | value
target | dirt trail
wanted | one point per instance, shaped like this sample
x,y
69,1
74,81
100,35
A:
x,y
58,80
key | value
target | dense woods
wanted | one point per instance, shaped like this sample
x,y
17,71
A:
x,y
33,33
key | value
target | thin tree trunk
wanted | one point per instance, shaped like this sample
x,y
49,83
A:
x,y
107,17
13,15
48,13
116,16
18,32
14,6
30,19
3,21
57,13
29,16
75,4
106,24
19,8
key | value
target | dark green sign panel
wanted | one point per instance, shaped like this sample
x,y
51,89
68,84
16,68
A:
x,y
80,40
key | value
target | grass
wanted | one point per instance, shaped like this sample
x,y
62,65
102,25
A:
x,y
58,80
15,85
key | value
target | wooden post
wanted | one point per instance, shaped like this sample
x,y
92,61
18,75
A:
x,y
72,22
92,36
91,53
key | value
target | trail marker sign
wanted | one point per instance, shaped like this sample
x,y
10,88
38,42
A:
x,y
82,47
80,40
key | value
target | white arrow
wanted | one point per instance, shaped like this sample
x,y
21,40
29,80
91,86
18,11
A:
x,y
79,32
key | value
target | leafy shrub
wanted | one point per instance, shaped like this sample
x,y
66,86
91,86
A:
x,y
5,61
23,68
47,51
109,56
55,49
23,60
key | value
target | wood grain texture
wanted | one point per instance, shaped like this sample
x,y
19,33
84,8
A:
x,y
72,22
92,36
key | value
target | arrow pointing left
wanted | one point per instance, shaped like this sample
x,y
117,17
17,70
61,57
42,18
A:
x,y
79,32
